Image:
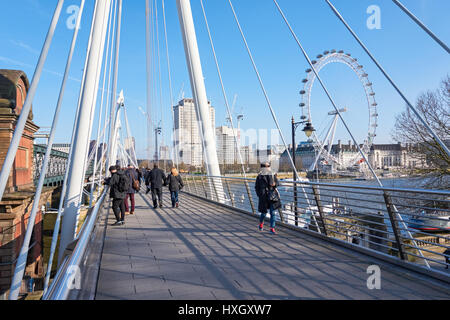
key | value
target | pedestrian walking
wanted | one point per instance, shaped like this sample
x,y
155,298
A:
x,y
135,186
269,197
119,183
175,184
155,181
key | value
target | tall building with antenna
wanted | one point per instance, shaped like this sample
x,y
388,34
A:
x,y
188,132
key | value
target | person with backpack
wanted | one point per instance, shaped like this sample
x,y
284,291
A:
x,y
269,197
155,181
175,184
119,184
134,188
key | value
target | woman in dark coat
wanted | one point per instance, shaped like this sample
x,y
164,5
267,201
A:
x,y
266,185
175,184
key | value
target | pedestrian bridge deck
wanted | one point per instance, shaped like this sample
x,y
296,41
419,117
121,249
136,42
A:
x,y
203,251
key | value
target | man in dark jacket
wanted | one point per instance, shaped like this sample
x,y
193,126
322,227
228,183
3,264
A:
x,y
118,184
266,185
134,177
155,181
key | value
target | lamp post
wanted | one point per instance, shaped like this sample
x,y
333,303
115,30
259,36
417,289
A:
x,y
158,131
308,130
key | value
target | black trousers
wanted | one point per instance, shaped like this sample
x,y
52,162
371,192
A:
x,y
157,196
118,207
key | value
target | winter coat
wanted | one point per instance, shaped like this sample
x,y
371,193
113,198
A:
x,y
175,183
133,175
263,186
113,183
156,179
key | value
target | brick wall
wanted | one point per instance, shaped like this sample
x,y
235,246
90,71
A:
x,y
13,223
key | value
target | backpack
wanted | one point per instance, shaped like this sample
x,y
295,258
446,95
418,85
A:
x,y
135,183
124,183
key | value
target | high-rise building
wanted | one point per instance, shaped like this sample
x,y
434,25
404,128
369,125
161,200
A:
x,y
226,145
188,137
164,153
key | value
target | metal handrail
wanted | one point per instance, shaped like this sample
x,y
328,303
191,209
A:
x,y
377,221
283,183
62,284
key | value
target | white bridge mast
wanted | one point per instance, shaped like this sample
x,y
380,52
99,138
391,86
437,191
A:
x,y
199,91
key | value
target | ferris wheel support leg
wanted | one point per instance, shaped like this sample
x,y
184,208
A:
x,y
330,131
330,144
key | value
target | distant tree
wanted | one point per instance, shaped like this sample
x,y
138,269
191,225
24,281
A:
x,y
434,107
144,164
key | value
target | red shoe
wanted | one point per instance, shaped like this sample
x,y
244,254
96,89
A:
x,y
261,227
272,231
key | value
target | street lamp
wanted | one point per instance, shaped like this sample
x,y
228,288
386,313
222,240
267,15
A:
x,y
308,130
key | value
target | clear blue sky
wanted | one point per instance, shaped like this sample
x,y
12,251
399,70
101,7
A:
x,y
413,59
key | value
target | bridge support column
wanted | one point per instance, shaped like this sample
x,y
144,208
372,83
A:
x,y
84,124
199,93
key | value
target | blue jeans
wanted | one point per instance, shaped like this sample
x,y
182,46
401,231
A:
x,y
174,196
273,217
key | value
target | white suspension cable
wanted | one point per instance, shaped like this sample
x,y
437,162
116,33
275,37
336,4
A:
x,y
148,37
105,27
175,152
130,138
115,79
418,115
94,174
338,111
21,262
328,95
23,118
104,147
424,27
69,161
263,88
224,91
271,109
159,69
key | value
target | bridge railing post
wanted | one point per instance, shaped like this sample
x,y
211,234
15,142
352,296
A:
x,y
188,183
316,192
227,184
195,186
204,188
250,197
213,182
296,204
394,223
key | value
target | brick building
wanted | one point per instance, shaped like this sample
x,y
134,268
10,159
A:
x,y
16,204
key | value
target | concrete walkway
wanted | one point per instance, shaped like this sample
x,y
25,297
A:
x,y
205,252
